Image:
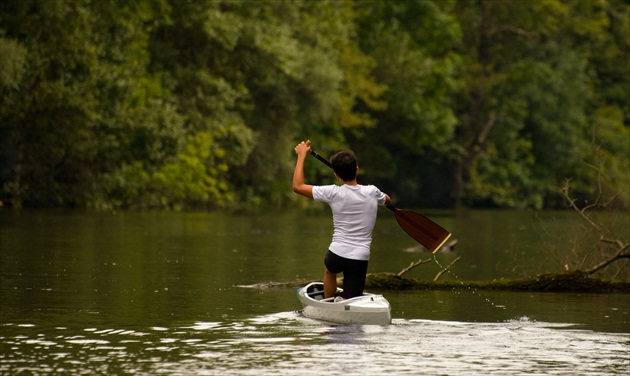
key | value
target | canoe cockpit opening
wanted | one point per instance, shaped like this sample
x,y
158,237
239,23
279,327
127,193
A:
x,y
316,292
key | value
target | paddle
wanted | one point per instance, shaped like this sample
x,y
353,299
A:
x,y
422,229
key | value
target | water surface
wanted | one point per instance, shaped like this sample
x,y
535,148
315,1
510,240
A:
x,y
158,293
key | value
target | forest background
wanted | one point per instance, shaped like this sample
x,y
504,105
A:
x,y
198,104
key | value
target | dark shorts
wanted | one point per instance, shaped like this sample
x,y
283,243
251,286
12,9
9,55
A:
x,y
354,272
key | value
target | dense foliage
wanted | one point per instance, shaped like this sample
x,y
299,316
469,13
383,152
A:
x,y
184,104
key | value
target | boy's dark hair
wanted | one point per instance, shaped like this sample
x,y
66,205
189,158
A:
x,y
344,163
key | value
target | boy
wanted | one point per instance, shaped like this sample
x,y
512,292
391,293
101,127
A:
x,y
354,209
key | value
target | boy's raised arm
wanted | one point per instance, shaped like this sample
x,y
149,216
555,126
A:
x,y
299,187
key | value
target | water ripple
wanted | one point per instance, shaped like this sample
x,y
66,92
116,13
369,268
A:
x,y
289,344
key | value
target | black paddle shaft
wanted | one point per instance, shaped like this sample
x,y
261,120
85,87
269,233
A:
x,y
322,159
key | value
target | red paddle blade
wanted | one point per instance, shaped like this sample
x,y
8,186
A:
x,y
422,229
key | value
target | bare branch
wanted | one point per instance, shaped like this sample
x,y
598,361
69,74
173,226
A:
x,y
621,248
445,269
619,255
413,265
606,232
616,242
565,193
613,198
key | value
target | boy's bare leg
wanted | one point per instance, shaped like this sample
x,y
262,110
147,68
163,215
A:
x,y
330,283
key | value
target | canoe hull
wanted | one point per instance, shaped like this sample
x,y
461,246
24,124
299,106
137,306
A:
x,y
369,309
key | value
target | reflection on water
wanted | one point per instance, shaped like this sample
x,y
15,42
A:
x,y
289,344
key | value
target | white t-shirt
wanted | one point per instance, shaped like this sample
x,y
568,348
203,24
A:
x,y
354,214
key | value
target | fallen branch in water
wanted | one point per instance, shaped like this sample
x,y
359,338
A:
x,y
552,282
446,269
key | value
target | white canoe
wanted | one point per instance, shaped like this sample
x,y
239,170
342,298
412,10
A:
x,y
362,310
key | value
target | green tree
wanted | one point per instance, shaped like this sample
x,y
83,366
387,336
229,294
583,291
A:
x,y
523,113
46,112
277,72
411,43
169,103
602,31
81,104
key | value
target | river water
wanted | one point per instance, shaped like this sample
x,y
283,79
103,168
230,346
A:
x,y
146,293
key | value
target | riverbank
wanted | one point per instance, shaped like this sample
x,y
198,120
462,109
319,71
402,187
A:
x,y
550,282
